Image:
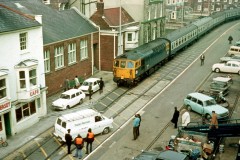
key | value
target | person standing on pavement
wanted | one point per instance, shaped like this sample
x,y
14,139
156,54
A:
x,y
68,139
136,122
202,58
175,117
90,91
77,84
101,85
89,140
214,121
66,84
79,143
139,116
185,118
230,38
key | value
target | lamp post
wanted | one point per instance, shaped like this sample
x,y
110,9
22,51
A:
x,y
120,28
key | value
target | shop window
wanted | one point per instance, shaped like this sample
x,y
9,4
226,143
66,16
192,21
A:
x,y
3,88
26,110
1,124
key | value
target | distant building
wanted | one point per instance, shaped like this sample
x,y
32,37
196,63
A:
x,y
22,79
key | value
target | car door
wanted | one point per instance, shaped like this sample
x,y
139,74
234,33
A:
x,y
74,99
200,107
95,86
235,68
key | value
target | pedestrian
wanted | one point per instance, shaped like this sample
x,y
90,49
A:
x,y
68,139
90,91
202,58
135,126
77,84
139,116
175,117
230,38
79,143
185,117
101,85
89,140
66,84
214,121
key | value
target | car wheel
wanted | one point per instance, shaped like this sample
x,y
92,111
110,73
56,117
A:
x,y
189,108
81,101
68,107
106,130
208,116
239,72
217,70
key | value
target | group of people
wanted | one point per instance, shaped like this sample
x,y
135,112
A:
x,y
186,118
67,83
79,143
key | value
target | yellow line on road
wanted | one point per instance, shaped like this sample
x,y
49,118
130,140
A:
x,y
43,151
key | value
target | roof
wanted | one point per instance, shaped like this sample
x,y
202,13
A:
x,y
111,17
200,96
79,115
12,20
57,25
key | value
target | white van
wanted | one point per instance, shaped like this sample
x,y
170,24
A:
x,y
79,122
234,50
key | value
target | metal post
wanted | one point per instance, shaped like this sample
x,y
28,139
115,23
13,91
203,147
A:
x,y
120,28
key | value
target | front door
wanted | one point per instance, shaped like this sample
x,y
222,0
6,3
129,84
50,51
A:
x,y
7,124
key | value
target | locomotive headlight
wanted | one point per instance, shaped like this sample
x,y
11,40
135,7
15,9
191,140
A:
x,y
136,72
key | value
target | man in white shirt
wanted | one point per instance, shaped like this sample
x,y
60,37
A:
x,y
185,117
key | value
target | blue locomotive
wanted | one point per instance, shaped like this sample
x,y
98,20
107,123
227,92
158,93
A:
x,y
133,66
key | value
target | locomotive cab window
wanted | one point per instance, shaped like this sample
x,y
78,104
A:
x,y
130,64
116,63
123,64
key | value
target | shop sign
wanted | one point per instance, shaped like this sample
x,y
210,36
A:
x,y
5,105
34,92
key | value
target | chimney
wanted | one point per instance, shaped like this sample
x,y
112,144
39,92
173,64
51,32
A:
x,y
100,7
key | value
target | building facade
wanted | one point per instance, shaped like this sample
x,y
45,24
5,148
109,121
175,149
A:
x,y
22,80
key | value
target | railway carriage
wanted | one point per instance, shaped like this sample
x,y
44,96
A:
x,y
131,67
232,14
182,37
203,25
218,18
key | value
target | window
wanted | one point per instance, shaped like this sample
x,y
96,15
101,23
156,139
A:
x,y
46,1
22,79
47,61
123,64
26,110
71,53
116,63
33,77
83,50
23,41
3,88
59,57
130,37
1,124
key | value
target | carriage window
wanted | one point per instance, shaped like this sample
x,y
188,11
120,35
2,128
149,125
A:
x,y
123,64
116,63
130,64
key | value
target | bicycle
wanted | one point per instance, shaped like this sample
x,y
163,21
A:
x,y
3,142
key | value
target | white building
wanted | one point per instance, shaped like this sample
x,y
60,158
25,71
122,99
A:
x,y
22,79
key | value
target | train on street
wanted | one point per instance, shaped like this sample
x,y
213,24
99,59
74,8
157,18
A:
x,y
137,64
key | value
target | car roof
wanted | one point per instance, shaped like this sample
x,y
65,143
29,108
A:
x,y
200,96
233,62
91,79
70,91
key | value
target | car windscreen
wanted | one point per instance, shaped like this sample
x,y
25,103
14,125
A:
x,y
210,102
87,83
64,96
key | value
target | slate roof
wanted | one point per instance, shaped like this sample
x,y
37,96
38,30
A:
x,y
111,18
57,25
11,20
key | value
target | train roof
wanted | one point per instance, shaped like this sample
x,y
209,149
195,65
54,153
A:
x,y
217,14
142,51
181,32
202,21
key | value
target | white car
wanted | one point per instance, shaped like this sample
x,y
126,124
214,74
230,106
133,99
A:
x,y
230,58
230,67
69,99
94,82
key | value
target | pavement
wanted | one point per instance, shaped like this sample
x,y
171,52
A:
x,y
20,139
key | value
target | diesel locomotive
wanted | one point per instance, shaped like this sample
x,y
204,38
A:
x,y
131,67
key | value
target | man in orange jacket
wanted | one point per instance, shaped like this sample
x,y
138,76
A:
x,y
89,139
79,145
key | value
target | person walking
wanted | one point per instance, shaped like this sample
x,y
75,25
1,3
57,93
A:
x,y
214,121
89,140
101,85
66,84
79,143
90,91
68,139
175,117
136,122
230,38
202,58
185,118
77,84
140,119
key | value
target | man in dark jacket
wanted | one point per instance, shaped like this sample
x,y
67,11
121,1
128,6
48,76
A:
x,y
101,85
68,139
175,117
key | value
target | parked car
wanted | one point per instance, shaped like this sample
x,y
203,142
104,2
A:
x,y
69,99
230,58
94,82
237,43
229,67
204,105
